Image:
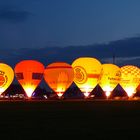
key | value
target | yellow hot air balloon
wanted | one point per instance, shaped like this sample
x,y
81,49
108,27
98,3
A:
x,y
109,78
59,76
86,73
130,79
6,77
29,74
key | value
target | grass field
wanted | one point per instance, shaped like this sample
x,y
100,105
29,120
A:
x,y
96,119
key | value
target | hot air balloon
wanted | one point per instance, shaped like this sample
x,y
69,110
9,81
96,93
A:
x,y
6,77
86,73
29,74
109,78
130,79
59,76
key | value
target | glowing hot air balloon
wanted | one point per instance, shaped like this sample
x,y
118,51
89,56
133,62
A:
x,y
109,78
29,74
86,73
6,77
130,79
59,76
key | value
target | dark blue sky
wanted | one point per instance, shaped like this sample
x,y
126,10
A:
x,y
40,23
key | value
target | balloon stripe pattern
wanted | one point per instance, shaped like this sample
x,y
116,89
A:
x,y
59,76
29,74
86,73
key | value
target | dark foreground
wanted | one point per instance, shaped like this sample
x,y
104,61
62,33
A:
x,y
70,119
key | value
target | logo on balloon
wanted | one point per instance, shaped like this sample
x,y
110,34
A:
x,y
3,79
80,75
118,73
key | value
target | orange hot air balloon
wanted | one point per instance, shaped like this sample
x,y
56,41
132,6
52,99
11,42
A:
x,y
86,73
6,77
109,78
59,76
130,79
29,74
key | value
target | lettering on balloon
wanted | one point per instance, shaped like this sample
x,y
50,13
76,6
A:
x,y
3,79
113,79
80,75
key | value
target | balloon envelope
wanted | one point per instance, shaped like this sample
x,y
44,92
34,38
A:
x,y
86,73
109,78
59,76
130,79
6,77
29,74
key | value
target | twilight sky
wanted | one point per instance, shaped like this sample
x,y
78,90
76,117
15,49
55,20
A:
x,y
41,23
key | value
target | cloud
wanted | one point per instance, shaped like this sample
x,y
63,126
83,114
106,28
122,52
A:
x,y
126,52
134,60
13,15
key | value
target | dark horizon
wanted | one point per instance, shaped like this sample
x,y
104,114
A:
x,y
121,50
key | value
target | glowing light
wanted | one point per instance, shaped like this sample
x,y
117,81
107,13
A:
x,y
86,73
130,91
86,94
29,74
110,77
29,91
60,91
1,90
6,77
45,96
59,76
108,89
87,91
130,79
59,94
107,93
